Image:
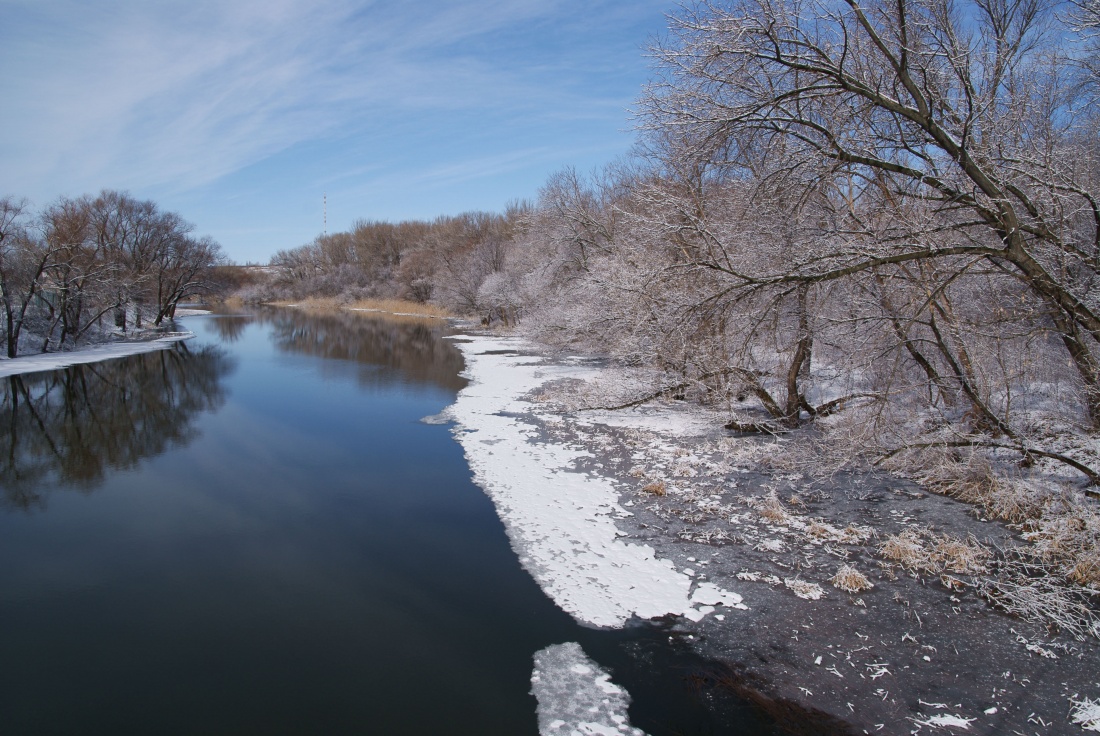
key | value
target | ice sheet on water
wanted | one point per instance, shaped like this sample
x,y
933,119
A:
x,y
94,354
576,697
443,417
560,523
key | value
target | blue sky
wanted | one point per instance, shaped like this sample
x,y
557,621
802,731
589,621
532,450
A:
x,y
241,114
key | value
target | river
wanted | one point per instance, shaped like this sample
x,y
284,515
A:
x,y
253,532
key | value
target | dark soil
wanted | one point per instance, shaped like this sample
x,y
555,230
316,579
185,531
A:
x,y
910,655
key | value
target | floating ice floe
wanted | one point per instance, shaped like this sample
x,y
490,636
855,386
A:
x,y
94,354
560,522
576,697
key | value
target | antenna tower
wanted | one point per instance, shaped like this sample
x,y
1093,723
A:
x,y
325,203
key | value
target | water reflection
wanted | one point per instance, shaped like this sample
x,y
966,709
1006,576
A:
x,y
411,349
230,327
72,425
318,562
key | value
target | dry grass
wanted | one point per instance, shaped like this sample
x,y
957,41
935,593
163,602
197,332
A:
x,y
1001,498
1086,572
400,307
850,580
918,549
825,532
1035,596
804,589
771,508
1064,531
905,548
386,307
974,479
657,488
961,556
1054,577
1067,537
317,305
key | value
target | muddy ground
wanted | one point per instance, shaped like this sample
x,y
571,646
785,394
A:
x,y
917,653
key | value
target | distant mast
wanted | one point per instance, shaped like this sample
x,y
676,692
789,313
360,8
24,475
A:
x,y
324,200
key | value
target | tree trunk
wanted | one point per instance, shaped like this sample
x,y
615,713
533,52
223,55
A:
x,y
1088,368
800,363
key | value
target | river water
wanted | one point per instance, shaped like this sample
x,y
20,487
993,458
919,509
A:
x,y
253,533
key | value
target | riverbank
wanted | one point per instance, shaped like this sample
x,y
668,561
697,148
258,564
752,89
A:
x,y
88,354
112,345
388,307
798,588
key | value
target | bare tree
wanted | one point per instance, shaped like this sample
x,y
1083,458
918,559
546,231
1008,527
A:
x,y
1085,19
941,163
83,258
185,269
24,260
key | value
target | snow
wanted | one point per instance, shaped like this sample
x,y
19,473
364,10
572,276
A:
x,y
94,354
710,594
576,696
664,418
560,522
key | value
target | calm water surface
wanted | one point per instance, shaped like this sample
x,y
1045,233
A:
x,y
253,533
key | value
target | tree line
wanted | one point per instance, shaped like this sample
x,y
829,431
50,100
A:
x,y
882,217
443,261
88,265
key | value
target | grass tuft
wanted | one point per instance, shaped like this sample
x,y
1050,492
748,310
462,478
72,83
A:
x,y
850,580
771,508
921,550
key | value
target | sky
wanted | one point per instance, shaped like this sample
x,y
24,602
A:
x,y
245,116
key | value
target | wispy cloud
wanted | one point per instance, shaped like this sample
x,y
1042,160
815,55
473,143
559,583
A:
x,y
176,94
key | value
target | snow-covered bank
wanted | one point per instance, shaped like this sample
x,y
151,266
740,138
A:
x,y
597,502
93,354
561,523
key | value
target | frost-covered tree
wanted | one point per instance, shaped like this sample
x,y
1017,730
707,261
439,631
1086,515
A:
x,y
84,258
910,186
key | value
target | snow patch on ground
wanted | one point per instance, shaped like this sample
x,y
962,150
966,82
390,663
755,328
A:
x,y
190,312
576,697
94,354
560,522
658,418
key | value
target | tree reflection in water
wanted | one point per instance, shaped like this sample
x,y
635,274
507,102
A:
x,y
230,327
69,426
411,346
